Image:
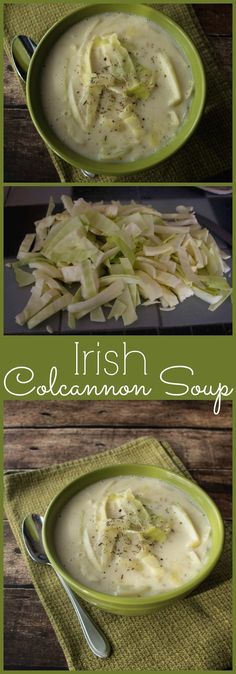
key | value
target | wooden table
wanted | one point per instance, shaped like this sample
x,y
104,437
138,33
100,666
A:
x,y
26,158
39,434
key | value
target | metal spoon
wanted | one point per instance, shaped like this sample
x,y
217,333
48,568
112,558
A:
x,y
22,49
32,537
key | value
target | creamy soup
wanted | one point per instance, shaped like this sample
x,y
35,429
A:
x,y
116,87
132,536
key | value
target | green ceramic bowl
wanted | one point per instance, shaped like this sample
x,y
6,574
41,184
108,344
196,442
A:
x,y
134,605
117,168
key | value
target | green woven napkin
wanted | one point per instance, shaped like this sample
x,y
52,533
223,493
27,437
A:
x,y
193,634
206,154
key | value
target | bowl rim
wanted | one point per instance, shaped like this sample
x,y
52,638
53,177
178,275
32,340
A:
x,y
134,601
166,152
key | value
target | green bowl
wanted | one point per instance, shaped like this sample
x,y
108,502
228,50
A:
x,y
115,168
134,605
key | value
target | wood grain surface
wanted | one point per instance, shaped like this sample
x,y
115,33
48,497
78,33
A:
x,y
42,433
22,144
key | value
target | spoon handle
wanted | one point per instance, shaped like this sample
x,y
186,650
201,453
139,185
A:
x,y
93,635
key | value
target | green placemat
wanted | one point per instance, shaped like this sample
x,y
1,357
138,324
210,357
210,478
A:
x,y
193,634
206,154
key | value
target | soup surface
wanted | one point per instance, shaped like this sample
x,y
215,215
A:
x,y
116,87
132,536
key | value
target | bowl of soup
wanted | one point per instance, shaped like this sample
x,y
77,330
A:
x,y
115,90
131,539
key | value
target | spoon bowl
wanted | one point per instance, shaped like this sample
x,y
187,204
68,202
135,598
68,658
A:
x,y
32,536
22,49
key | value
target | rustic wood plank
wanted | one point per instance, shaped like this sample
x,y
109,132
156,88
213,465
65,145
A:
x,y
40,448
215,19
26,157
15,569
30,642
194,414
41,433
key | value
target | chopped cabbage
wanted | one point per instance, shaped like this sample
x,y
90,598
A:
x,y
122,255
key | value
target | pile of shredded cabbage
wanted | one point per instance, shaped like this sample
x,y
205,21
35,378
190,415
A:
x,y
96,256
